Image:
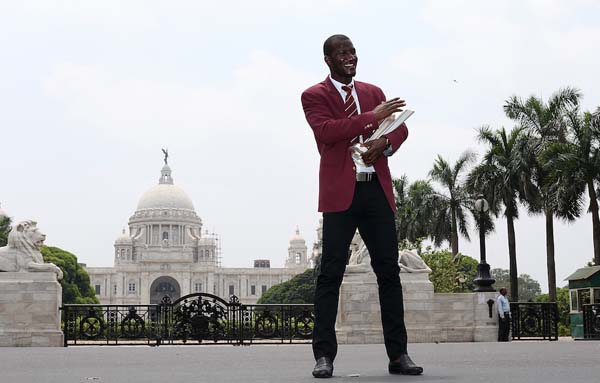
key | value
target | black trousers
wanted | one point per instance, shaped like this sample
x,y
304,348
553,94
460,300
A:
x,y
372,215
503,328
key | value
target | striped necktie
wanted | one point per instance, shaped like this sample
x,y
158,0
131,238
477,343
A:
x,y
349,103
350,107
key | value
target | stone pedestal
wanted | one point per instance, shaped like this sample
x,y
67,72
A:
x,y
359,315
419,298
29,309
464,317
486,328
429,316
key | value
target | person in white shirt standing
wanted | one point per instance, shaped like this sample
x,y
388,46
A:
x,y
503,315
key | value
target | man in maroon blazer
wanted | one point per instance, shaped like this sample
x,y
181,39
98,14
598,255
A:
x,y
342,112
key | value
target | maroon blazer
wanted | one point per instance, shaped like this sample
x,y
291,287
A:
x,y
333,131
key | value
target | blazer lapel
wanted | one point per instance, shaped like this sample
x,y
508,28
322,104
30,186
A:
x,y
364,99
334,95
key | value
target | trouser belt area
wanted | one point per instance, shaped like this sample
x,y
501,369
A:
x,y
365,177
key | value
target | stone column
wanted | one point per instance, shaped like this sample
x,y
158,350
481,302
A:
x,y
145,289
29,309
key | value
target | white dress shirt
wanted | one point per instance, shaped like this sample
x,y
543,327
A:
x,y
338,85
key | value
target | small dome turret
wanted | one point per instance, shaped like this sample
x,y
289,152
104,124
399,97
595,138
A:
x,y
124,239
297,239
297,252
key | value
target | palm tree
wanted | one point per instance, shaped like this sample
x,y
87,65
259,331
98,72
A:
x,y
575,166
449,216
503,178
415,204
545,124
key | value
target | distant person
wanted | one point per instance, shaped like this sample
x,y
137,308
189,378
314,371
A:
x,y
504,317
342,112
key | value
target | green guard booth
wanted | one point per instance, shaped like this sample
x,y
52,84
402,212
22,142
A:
x,y
584,292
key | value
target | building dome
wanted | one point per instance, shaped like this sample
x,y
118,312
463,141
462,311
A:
x,y
165,195
297,238
124,239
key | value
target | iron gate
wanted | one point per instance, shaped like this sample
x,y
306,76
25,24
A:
x,y
534,321
591,321
193,319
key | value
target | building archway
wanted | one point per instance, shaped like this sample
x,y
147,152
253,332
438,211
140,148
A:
x,y
164,286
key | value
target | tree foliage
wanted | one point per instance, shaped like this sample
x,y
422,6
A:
x,y
562,300
4,229
299,289
450,273
450,216
503,177
529,288
75,284
415,206
545,124
575,165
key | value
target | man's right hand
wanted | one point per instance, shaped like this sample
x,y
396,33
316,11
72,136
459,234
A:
x,y
386,108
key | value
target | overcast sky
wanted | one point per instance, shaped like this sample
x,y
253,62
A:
x,y
90,92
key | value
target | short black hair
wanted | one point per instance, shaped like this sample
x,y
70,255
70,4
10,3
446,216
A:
x,y
328,44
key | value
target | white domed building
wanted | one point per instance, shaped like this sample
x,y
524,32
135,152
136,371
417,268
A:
x,y
165,252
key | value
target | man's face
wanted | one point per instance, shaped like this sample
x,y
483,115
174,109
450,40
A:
x,y
342,61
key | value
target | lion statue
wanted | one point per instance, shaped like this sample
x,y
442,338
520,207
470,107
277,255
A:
x,y
23,250
411,262
359,254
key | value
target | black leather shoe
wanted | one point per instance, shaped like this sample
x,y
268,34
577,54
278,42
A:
x,y
405,366
323,368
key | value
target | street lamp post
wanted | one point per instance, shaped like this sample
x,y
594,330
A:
x,y
483,280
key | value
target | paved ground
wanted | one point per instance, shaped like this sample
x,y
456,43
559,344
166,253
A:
x,y
563,361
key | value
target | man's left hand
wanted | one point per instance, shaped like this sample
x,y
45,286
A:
x,y
375,150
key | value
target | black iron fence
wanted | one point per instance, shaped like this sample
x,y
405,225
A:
x,y
193,319
591,321
534,321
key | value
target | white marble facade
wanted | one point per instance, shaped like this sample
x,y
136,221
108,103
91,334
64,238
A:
x,y
166,252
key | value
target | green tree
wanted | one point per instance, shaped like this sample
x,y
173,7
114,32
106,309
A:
x,y
415,206
450,273
449,216
562,300
529,288
75,284
575,166
299,289
4,229
545,124
503,178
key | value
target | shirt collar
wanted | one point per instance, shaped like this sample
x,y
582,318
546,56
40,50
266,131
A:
x,y
338,85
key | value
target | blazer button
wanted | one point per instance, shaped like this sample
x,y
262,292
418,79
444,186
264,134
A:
x,y
354,168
